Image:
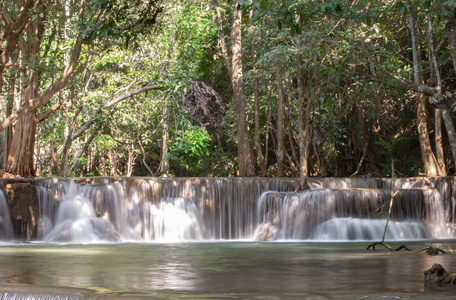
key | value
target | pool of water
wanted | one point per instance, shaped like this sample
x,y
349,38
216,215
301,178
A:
x,y
220,270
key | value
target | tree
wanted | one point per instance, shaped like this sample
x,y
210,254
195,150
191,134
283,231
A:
x,y
38,25
236,74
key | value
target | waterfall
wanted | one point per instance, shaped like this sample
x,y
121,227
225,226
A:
x,y
35,296
6,227
75,218
350,214
194,209
152,209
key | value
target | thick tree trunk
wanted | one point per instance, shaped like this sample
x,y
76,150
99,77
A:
x,y
280,122
431,167
244,150
20,158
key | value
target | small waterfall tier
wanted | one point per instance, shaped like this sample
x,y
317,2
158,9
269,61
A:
x,y
350,214
97,210
6,227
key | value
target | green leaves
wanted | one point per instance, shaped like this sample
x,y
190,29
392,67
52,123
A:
x,y
190,148
401,7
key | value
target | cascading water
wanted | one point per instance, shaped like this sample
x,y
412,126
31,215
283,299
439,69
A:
x,y
159,209
193,209
75,219
6,227
349,214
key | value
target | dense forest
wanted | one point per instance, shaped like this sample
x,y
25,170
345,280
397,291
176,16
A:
x,y
228,88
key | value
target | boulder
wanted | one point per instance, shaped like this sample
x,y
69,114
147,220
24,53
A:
x,y
437,274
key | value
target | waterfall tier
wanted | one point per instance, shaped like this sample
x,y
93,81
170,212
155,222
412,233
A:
x,y
97,210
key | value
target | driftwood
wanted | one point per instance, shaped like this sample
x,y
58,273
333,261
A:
x,y
431,250
388,246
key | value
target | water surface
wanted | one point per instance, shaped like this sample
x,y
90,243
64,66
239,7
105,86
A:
x,y
222,270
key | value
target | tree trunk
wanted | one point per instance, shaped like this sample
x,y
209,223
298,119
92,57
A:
x,y
431,167
451,132
303,115
280,122
16,27
244,151
450,29
438,141
222,42
366,137
164,164
20,158
256,104
9,109
84,148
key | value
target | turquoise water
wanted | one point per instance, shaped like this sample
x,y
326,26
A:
x,y
221,270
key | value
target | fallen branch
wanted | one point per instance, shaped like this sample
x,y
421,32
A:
x,y
388,246
431,250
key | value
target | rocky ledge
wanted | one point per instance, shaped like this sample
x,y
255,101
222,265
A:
x,y
22,199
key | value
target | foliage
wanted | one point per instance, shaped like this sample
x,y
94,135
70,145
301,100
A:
x,y
357,66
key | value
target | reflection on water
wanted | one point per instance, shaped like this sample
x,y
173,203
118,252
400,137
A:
x,y
223,270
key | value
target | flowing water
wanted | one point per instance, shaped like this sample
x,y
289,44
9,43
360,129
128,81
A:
x,y
206,238
202,209
6,227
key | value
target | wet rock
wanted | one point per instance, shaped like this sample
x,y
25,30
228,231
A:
x,y
266,232
437,274
22,199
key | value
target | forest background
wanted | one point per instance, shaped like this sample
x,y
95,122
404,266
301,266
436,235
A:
x,y
228,88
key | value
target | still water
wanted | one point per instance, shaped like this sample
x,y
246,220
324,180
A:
x,y
220,270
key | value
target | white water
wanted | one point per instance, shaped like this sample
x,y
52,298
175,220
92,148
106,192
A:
x,y
6,227
76,221
196,209
350,214
344,229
